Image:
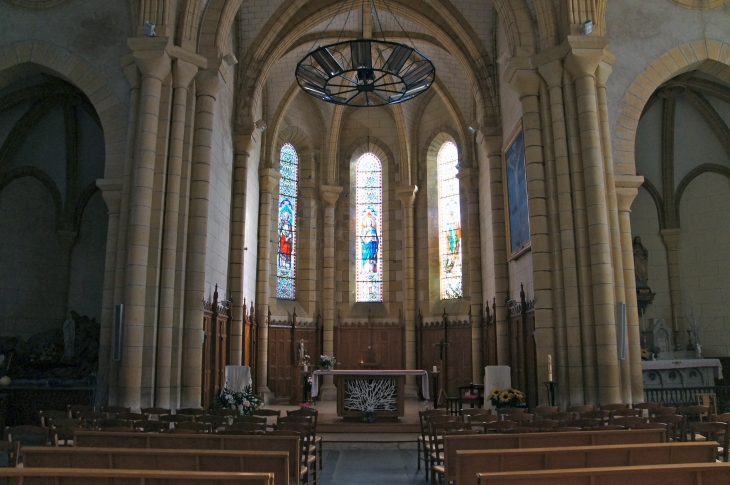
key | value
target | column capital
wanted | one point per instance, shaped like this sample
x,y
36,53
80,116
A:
x,y
407,195
268,178
586,51
605,68
493,144
208,82
131,71
151,56
330,194
244,144
468,177
552,73
183,73
671,237
627,188
111,191
522,77
66,239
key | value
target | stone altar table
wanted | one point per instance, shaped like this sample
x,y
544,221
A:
x,y
680,373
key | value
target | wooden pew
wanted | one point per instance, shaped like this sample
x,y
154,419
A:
x,y
276,462
544,440
470,463
289,444
705,474
70,476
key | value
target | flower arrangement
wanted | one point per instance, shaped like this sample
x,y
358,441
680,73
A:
x,y
369,416
305,405
325,362
245,401
506,398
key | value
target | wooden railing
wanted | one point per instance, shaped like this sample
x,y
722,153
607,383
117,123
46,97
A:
x,y
687,396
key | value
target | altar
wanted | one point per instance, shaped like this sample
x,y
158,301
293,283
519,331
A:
x,y
371,391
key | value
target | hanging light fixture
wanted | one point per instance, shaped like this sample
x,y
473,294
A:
x,y
365,72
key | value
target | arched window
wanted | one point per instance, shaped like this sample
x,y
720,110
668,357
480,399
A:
x,y
449,222
286,262
369,222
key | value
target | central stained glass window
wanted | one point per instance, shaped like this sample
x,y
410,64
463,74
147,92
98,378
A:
x,y
449,222
287,228
369,222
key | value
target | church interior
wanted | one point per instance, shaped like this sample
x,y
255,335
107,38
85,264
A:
x,y
375,213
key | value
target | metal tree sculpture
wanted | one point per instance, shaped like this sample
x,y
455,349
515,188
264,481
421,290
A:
x,y
371,395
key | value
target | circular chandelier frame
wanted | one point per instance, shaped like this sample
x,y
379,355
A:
x,y
365,73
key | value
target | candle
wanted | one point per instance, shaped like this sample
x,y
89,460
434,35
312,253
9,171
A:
x,y
435,369
306,368
550,368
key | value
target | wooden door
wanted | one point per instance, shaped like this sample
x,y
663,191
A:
x,y
458,352
280,361
208,364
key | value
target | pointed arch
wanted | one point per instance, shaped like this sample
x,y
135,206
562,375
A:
x,y
369,227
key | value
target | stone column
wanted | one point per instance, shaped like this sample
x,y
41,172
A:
x,y
552,73
183,73
493,146
154,64
468,179
244,145
627,188
207,86
407,197
268,182
330,194
526,82
582,62
671,239
66,241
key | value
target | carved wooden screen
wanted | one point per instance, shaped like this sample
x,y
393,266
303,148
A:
x,y
458,352
369,345
216,332
208,365
283,338
522,347
489,335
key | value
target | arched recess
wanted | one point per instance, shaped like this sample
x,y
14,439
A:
x,y
547,23
515,16
43,178
693,174
216,23
31,57
344,233
706,55
272,45
701,4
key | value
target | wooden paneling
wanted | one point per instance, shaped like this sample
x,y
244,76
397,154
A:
x,y
522,347
216,331
284,335
369,345
458,352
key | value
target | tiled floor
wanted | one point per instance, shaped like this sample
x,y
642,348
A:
x,y
372,467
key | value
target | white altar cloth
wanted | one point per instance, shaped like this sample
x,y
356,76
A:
x,y
683,364
495,376
375,373
237,377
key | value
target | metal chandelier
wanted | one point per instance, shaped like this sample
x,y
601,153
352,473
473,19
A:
x,y
365,72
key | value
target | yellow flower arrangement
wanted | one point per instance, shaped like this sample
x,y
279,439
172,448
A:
x,y
506,398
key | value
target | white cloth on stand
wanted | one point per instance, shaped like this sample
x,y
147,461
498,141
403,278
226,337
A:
x,y
495,376
237,377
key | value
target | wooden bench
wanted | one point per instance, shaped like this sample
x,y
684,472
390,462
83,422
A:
x,y
70,476
705,474
470,463
276,462
543,440
289,444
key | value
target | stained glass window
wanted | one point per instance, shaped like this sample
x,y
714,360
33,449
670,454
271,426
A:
x,y
449,222
369,240
287,228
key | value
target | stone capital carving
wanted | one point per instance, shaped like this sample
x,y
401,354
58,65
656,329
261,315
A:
x,y
605,68
522,77
671,237
627,188
586,51
183,73
268,179
131,71
244,144
407,195
468,177
151,56
111,191
493,145
208,83
552,73
330,194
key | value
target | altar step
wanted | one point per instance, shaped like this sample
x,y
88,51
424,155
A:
x,y
369,441
330,423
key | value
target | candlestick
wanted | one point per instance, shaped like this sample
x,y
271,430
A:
x,y
550,368
435,369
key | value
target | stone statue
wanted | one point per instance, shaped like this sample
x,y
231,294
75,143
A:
x,y
641,263
69,336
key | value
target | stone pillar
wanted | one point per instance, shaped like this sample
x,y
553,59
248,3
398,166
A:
x,y
407,197
268,181
330,194
526,82
154,64
183,73
552,73
66,241
582,62
493,146
207,86
244,145
671,239
627,188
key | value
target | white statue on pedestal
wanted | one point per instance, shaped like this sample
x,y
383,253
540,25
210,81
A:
x,y
69,336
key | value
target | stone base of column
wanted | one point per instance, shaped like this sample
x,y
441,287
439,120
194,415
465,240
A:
x,y
410,390
328,392
266,395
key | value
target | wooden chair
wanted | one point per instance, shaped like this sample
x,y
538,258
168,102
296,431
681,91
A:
x,y
580,409
230,412
474,414
542,424
693,414
662,410
248,427
473,395
305,472
306,446
239,432
646,405
307,419
544,410
629,422
268,414
176,418
50,414
55,422
91,417
250,419
28,435
674,423
75,409
712,431
507,411
113,429
112,411
155,411
9,452
195,412
521,418
215,421
521,430
437,431
480,425
183,431
192,425
133,416
500,426
609,427
317,439
566,429
603,415
619,413
560,417
422,443
614,406
151,426
64,435
708,399
584,423
722,418
104,424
